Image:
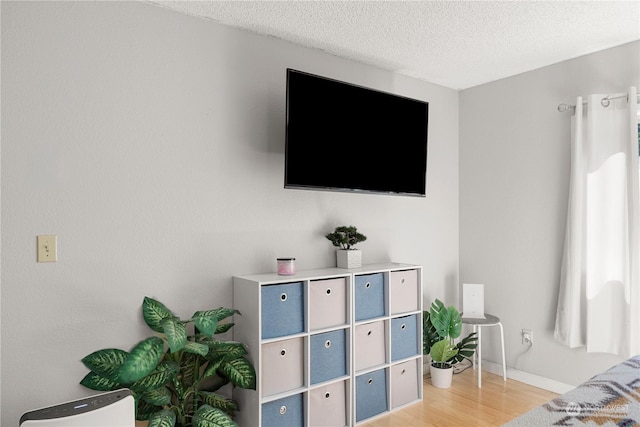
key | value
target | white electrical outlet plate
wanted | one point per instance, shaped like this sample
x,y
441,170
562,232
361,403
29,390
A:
x,y
527,336
47,249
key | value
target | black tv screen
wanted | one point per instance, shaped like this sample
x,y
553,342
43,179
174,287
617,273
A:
x,y
344,137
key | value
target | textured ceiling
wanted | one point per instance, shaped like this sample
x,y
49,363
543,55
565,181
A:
x,y
456,44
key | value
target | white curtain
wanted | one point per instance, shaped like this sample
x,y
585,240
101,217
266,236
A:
x,y
599,298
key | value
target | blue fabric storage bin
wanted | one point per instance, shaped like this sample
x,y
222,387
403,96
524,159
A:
x,y
287,411
282,310
404,338
369,296
371,394
328,356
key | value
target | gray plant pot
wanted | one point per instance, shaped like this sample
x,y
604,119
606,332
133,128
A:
x,y
349,258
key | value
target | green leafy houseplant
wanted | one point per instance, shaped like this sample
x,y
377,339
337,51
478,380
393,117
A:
x,y
174,375
345,237
441,326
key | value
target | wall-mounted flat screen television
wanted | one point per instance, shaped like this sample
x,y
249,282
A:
x,y
344,137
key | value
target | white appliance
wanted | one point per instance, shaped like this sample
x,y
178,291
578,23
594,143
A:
x,y
472,301
111,409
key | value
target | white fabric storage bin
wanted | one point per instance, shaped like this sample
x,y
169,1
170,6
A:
x,y
370,345
282,366
403,291
404,383
327,303
327,405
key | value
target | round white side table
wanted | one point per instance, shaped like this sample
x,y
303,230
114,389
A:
x,y
478,324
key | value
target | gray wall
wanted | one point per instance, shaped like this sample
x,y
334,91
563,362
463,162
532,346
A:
x,y
514,182
152,144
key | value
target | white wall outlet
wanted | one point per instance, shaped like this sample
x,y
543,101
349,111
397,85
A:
x,y
527,336
47,249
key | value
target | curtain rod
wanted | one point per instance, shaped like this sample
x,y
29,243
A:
x,y
604,102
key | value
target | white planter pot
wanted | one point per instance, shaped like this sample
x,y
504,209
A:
x,y
441,378
349,258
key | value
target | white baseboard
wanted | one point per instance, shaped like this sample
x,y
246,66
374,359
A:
x,y
528,378
522,376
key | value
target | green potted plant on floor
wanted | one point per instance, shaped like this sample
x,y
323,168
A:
x,y
175,374
345,238
441,327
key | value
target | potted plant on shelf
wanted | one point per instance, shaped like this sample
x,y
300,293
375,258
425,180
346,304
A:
x,y
441,326
345,238
174,375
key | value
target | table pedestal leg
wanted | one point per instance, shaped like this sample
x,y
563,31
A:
x,y
479,356
504,361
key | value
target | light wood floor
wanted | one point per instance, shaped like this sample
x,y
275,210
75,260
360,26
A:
x,y
464,404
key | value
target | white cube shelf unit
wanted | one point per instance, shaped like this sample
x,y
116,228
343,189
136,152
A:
x,y
332,346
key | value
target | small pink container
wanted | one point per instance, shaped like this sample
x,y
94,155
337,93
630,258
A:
x,y
286,266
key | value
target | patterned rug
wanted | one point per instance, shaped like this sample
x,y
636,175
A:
x,y
611,398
